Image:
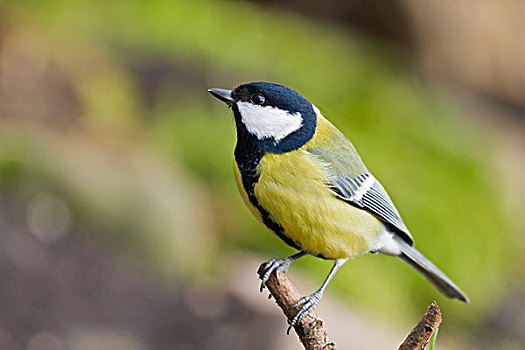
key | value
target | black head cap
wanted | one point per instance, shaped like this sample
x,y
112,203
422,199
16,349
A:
x,y
275,95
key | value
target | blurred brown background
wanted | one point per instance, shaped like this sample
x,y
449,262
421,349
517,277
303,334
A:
x,y
120,224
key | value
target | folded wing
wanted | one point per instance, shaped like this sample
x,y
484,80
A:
x,y
365,192
351,182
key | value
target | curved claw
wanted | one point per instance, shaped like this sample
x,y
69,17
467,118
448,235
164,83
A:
x,y
307,304
277,265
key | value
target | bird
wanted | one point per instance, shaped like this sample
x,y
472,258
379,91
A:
x,y
304,180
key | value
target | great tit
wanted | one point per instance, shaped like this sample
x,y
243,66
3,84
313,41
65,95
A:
x,y
303,179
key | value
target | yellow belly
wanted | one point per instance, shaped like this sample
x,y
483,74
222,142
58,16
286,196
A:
x,y
292,189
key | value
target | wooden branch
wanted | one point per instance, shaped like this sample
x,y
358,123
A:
x,y
310,329
421,334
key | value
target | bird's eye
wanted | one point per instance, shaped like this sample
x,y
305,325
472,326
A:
x,y
258,99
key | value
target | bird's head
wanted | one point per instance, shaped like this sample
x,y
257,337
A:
x,y
275,118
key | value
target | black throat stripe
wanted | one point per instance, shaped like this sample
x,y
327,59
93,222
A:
x,y
247,163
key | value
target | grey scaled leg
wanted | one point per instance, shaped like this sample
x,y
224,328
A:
x,y
278,265
309,303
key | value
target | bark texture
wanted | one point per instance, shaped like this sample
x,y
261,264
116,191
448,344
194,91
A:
x,y
311,330
422,332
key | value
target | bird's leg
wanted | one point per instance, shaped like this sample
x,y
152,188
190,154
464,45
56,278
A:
x,y
278,265
309,303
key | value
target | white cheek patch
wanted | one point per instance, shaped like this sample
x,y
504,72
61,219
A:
x,y
265,122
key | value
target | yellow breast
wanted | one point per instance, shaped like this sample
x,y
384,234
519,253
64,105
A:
x,y
292,188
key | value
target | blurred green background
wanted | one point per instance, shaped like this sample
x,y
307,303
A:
x,y
120,223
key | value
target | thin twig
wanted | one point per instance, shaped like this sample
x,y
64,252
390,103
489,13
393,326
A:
x,y
310,329
420,335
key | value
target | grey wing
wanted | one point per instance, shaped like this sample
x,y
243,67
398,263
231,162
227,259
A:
x,y
353,183
364,191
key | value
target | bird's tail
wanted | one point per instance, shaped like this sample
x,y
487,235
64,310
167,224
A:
x,y
444,284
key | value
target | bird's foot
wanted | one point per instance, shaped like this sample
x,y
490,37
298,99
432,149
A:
x,y
307,304
277,265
